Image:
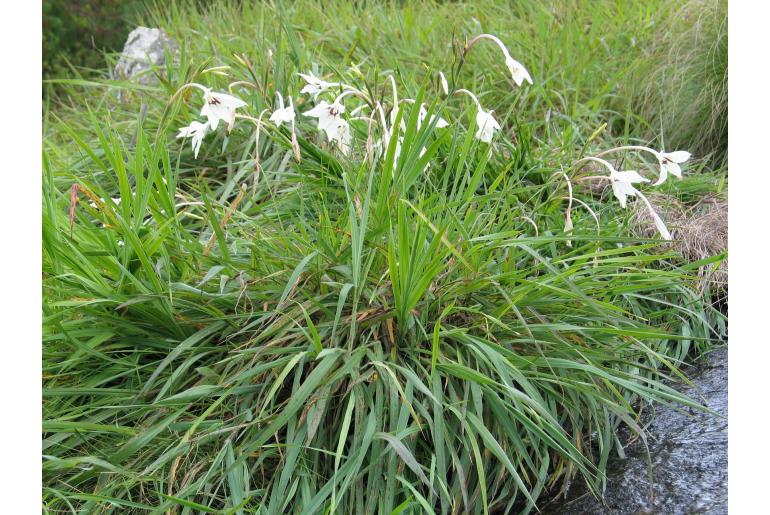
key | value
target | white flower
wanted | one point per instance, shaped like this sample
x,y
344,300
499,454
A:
x,y
669,161
393,115
343,136
484,119
622,184
382,144
397,152
197,131
659,225
622,187
487,125
315,86
394,111
518,72
220,106
440,123
283,114
669,164
444,83
329,117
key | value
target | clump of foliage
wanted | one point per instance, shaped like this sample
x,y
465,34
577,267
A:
x,y
283,324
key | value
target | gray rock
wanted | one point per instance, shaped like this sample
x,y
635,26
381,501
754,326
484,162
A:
x,y
144,49
689,459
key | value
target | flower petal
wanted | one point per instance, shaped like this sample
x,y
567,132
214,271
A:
x,y
674,169
228,100
343,136
444,84
663,175
440,123
619,193
622,190
196,145
518,72
680,156
487,125
314,86
660,226
630,176
319,110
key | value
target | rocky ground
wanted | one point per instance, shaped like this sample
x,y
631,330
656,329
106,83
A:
x,y
689,458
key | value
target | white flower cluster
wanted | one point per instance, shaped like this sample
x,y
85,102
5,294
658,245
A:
x,y
334,123
622,182
331,119
216,107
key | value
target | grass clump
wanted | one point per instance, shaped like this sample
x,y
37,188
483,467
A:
x,y
682,89
280,326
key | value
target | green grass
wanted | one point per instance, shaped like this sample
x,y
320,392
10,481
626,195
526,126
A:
x,y
351,337
682,89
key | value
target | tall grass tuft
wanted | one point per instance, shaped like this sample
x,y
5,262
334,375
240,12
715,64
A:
x,y
681,89
342,335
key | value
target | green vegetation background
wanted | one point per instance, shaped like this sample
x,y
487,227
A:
x,y
338,340
77,32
